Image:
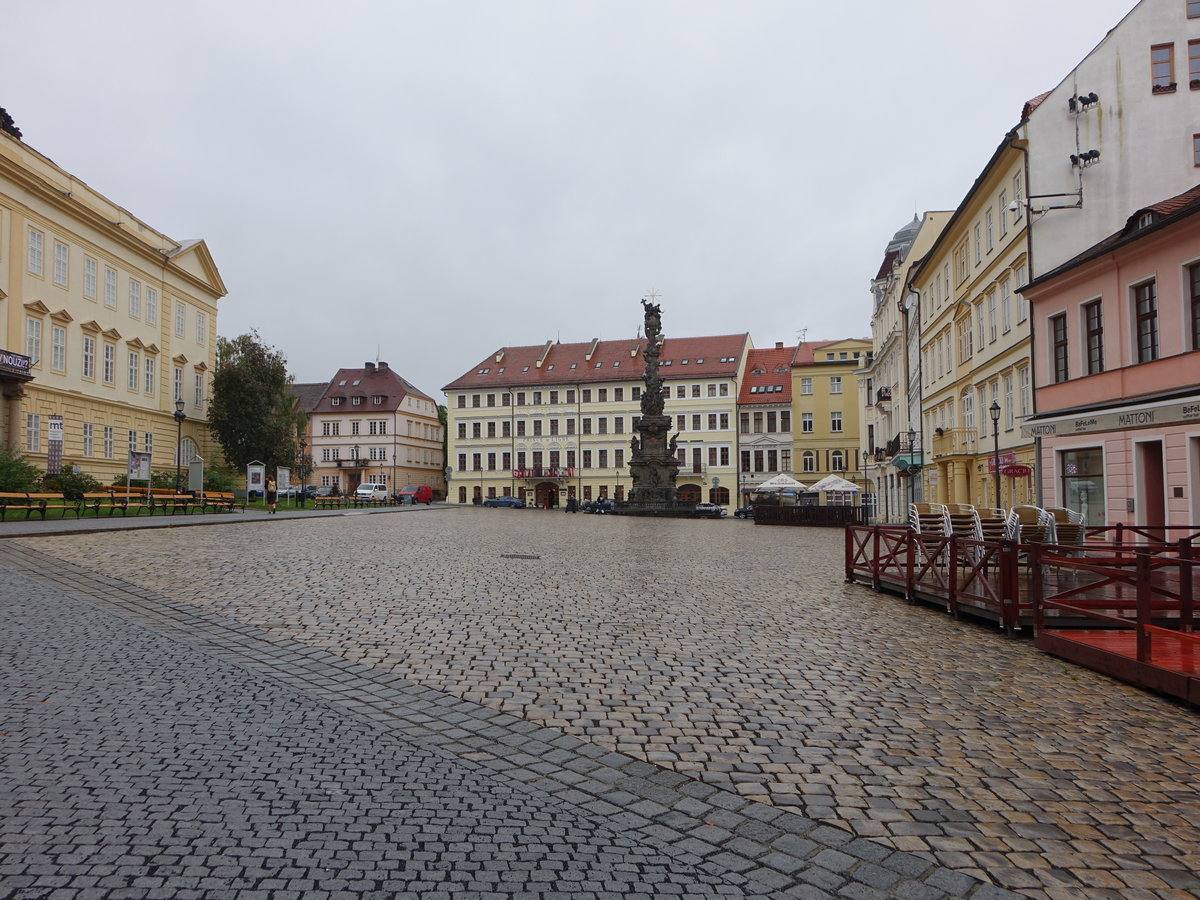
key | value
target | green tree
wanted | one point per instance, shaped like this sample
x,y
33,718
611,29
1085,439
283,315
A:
x,y
15,473
73,485
250,413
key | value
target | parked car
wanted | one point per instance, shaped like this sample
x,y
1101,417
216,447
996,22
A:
x,y
744,512
601,505
371,492
710,511
509,502
420,493
326,491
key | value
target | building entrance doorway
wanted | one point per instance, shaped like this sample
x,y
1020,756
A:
x,y
546,495
689,493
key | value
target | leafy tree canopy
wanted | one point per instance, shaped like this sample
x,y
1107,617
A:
x,y
250,413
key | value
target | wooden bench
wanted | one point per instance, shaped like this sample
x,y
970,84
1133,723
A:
x,y
221,501
36,502
327,502
127,500
93,500
169,498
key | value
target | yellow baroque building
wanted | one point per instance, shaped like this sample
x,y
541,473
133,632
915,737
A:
x,y
551,422
975,341
105,323
826,416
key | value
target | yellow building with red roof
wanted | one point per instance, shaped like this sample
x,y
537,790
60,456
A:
x,y
553,421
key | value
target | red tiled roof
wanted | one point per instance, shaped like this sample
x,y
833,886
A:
x,y
889,262
1175,204
1031,105
364,382
769,362
617,360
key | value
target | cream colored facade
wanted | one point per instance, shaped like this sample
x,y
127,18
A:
x,y
116,318
554,422
889,412
975,340
826,412
371,426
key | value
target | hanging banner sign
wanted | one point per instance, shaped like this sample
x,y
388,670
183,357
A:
x,y
1016,471
54,444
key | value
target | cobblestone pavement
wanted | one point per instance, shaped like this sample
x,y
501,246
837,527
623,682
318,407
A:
x,y
197,758
734,654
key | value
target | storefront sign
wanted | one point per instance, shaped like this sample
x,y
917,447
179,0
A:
x,y
1116,420
1016,471
1006,459
14,363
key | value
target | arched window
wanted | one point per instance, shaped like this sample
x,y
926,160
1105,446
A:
x,y
462,494
808,462
719,496
837,461
185,452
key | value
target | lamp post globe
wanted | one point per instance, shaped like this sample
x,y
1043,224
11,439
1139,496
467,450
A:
x,y
179,416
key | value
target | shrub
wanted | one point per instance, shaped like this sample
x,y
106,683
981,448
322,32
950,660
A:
x,y
73,485
16,474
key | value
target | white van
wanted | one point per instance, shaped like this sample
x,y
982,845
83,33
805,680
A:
x,y
375,492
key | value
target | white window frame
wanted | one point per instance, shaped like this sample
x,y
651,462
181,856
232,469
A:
x,y
33,433
33,340
806,385
151,306
201,328
110,363
180,318
135,298
90,278
62,263
34,256
178,382
108,441
835,384
110,288
199,384
89,439
134,375
835,422
89,357
58,348
148,372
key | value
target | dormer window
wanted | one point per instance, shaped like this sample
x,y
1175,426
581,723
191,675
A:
x,y
550,368
342,383
358,381
1145,220
525,368
699,361
616,363
336,401
355,401
500,371
665,362
377,400
598,365
483,371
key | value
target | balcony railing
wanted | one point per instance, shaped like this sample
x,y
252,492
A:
x,y
544,473
952,441
883,395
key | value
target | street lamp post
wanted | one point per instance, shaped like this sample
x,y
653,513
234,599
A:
x,y
354,462
180,415
994,409
303,472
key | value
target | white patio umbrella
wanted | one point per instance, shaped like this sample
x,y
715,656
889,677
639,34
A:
x,y
835,483
780,483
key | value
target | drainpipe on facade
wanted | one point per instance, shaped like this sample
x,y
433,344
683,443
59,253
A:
x,y
1037,441
906,315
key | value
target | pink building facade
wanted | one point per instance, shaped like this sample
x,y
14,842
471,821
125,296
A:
x,y
1117,372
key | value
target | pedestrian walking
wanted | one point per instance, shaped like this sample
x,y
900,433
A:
x,y
272,495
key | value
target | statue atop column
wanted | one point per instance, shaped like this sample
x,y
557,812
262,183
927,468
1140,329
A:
x,y
653,464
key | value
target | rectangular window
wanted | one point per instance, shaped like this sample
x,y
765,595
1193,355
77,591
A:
x,y
991,231
148,382
1006,304
1009,412
570,427
965,332
33,340
110,364
618,424
462,431
1196,149
199,399
1162,68
520,429
601,425
1019,195
602,459
785,420
33,433
1193,9
108,442
135,298
58,348
681,423
1194,284
89,357
1022,305
61,260
1058,337
201,328
1145,298
1003,213
961,262
180,318
978,243
179,383
835,384
1093,327
132,435
805,385
148,442
89,278
35,261
537,427
110,288
477,430
712,421
696,422
758,423
89,435
619,459
835,421
587,459
806,423
151,306
135,370
991,302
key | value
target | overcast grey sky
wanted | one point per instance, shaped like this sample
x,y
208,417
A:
x,y
431,180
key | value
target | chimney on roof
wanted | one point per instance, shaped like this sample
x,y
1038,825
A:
x,y
383,367
370,367
591,350
779,345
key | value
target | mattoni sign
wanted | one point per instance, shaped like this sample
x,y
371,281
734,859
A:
x,y
1116,420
